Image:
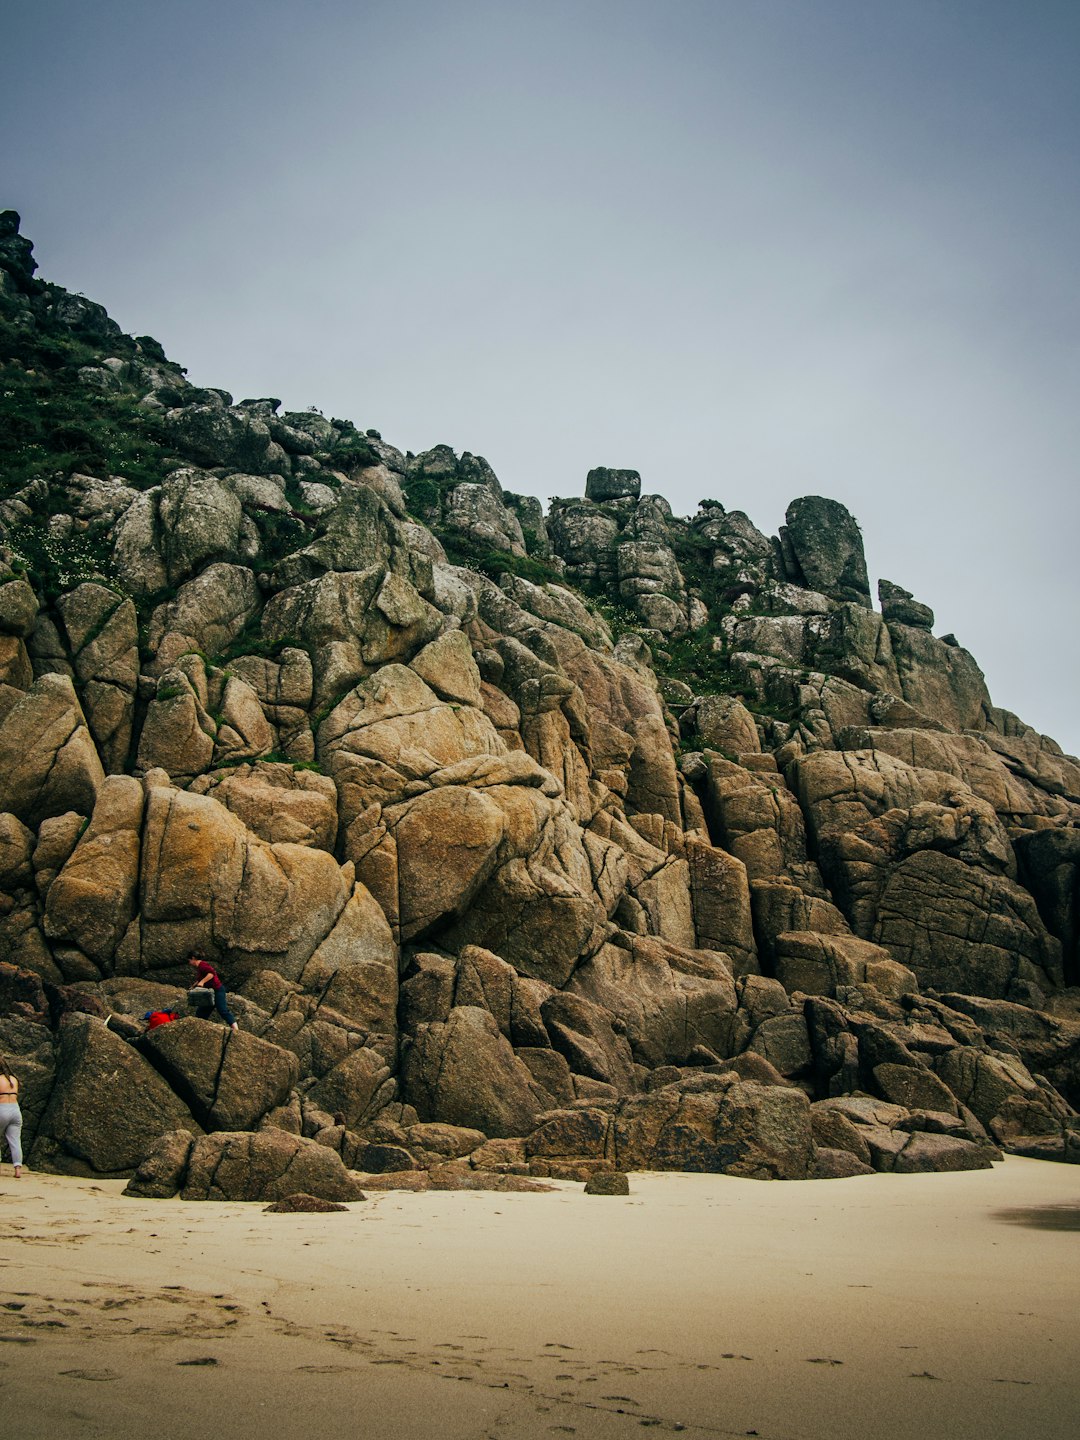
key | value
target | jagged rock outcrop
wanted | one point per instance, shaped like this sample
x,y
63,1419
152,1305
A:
x,y
270,1165
528,844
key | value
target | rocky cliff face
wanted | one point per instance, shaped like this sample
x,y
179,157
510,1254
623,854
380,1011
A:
x,y
526,843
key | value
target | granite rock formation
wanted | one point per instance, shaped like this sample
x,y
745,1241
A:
x,y
528,844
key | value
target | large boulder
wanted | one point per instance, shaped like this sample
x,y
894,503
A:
x,y
277,802
102,634
926,1152
740,554
446,844
358,534
669,1000
900,607
818,964
108,1105
476,512
355,968
356,1089
591,1039
603,484
200,522
650,580
539,909
627,731
351,623
94,898
160,1174
265,1165
986,938
484,979
717,1123
207,614
758,820
901,1141
387,733
582,535
968,757
48,762
210,434
137,545
899,844
942,680
16,252
1002,1094
720,899
823,549
465,1072
208,884
1049,1045
177,734
228,1080
1051,865
447,665
724,723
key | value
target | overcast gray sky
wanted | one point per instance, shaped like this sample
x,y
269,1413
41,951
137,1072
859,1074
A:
x,y
755,249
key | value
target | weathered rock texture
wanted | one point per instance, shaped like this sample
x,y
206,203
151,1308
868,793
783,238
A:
x,y
527,844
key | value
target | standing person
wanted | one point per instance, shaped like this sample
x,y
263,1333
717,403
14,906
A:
x,y
11,1115
208,976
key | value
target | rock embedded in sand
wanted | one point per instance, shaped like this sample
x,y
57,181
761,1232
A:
x,y
161,1173
266,1165
607,1182
108,1105
301,1204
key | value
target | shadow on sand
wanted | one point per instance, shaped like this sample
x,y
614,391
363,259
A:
x,y
1043,1217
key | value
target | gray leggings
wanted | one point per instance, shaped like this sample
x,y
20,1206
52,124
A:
x,y
11,1128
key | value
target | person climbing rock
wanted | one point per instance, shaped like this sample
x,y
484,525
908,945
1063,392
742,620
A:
x,y
209,978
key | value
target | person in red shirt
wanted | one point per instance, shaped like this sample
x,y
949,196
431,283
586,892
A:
x,y
208,976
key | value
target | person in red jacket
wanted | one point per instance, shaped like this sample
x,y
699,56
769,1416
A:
x,y
154,1018
209,977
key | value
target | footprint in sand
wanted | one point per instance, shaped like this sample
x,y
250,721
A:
x,y
823,1360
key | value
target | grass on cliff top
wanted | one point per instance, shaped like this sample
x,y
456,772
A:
x,y
693,660
52,422
493,563
55,563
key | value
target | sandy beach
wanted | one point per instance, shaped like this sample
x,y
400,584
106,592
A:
x,y
886,1306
